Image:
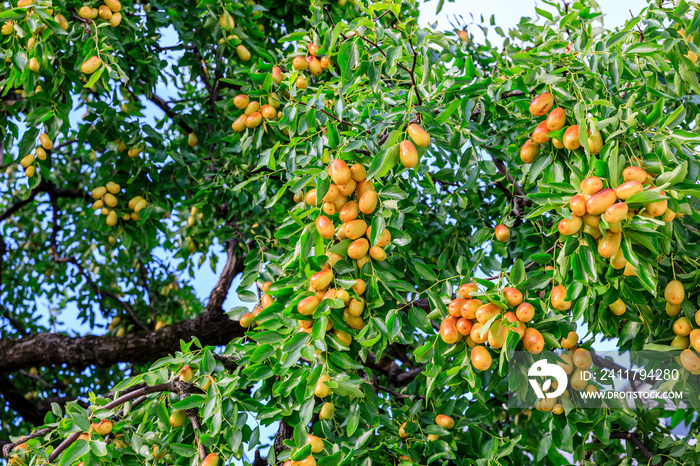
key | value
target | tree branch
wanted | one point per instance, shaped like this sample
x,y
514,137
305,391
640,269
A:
x,y
212,327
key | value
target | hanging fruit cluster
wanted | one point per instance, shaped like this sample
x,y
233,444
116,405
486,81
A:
x,y
489,322
106,200
554,123
253,113
577,363
27,161
109,11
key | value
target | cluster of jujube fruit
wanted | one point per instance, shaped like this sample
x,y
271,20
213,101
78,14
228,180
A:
x,y
576,362
555,121
27,161
489,322
106,200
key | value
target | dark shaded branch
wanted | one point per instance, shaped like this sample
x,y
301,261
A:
x,y
630,436
48,187
161,104
504,95
284,432
16,401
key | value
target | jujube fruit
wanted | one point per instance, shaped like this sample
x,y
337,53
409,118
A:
x,y
418,135
446,422
480,358
591,185
358,248
368,202
355,229
682,327
541,104
177,418
635,174
320,280
315,442
513,296
486,312
595,143
556,119
578,205
570,139
618,307
608,246
408,154
569,227
539,135
600,201
468,288
690,360
212,459
529,151
525,312
339,172
448,332
558,299
616,212
582,358
502,233
533,341
322,390
628,189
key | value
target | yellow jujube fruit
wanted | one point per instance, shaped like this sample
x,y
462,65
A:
x,y
446,422
480,357
368,202
46,142
542,104
111,218
419,136
408,154
243,53
674,292
110,200
226,21
91,65
27,160
322,390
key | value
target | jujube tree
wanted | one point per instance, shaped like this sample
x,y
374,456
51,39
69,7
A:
x,y
401,209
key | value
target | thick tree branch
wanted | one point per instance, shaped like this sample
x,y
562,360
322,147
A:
x,y
212,327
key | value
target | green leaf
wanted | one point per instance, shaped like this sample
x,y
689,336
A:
x,y
543,446
419,318
348,57
517,272
384,161
643,48
192,401
74,452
